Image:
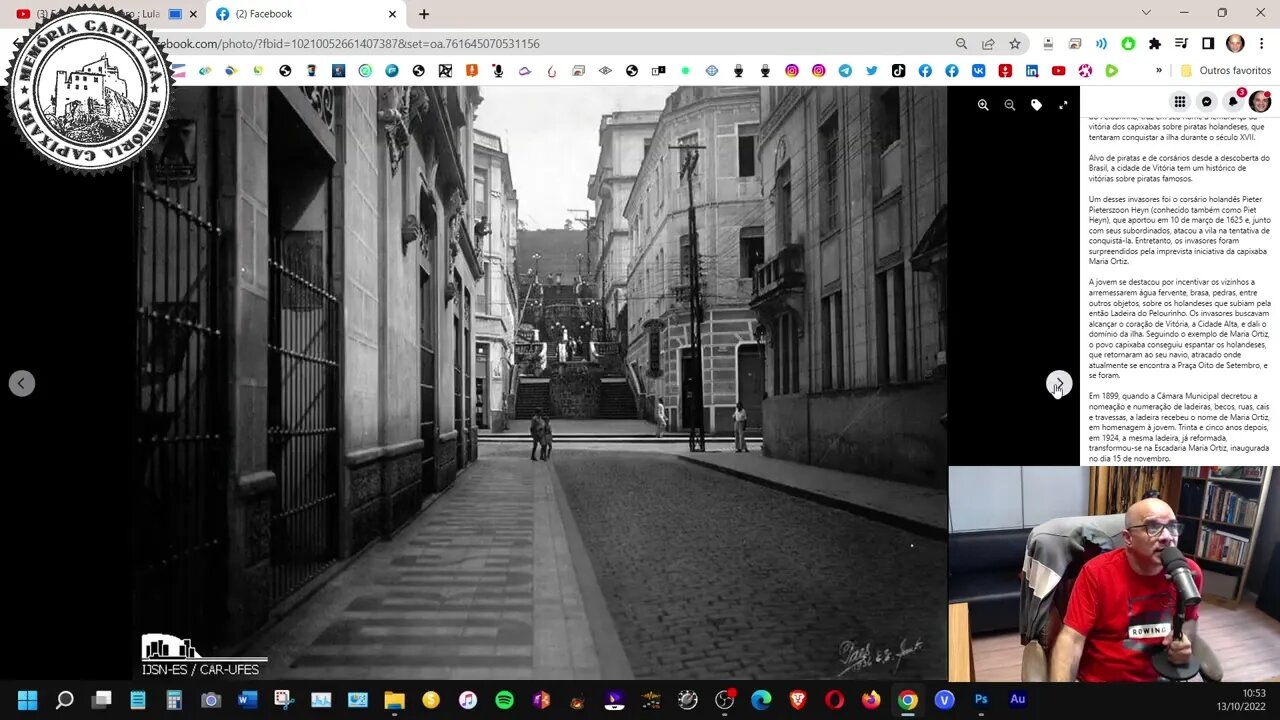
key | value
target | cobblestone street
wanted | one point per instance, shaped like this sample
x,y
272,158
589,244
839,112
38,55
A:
x,y
480,586
614,563
709,576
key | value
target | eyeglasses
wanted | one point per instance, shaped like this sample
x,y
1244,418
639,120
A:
x,y
1154,529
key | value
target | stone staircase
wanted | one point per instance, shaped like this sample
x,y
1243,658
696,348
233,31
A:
x,y
534,393
617,402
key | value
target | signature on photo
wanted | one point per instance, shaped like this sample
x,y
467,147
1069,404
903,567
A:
x,y
861,657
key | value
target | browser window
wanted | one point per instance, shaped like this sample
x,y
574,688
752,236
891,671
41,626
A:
x,y
295,287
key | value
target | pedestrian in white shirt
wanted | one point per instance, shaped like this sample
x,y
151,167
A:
x,y
740,429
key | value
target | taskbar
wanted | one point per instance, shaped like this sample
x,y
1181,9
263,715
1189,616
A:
x,y
660,698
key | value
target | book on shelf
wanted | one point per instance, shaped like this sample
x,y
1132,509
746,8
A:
x,y
1222,547
1230,472
1228,506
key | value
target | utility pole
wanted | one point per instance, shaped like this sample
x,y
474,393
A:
x,y
697,433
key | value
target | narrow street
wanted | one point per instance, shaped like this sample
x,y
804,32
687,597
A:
x,y
709,576
618,563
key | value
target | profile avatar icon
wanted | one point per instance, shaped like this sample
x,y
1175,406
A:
x,y
1235,43
1260,101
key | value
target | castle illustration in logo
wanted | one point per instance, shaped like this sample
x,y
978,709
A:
x,y
91,105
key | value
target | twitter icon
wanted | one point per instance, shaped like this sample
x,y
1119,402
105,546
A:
x,y
871,69
846,70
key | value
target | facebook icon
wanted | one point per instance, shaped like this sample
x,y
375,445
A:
x,y
223,13
926,70
953,70
979,71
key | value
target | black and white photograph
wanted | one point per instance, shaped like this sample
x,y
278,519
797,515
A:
x,y
545,382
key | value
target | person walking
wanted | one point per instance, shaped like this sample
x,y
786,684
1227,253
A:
x,y
740,429
661,417
536,428
546,438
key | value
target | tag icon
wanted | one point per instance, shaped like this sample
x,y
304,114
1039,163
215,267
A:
x,y
798,699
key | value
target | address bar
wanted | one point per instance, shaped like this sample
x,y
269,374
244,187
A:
x,y
598,42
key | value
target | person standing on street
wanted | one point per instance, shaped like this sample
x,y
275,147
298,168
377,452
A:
x,y
536,428
661,417
740,429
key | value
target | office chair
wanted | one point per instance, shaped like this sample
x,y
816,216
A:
x,y
1056,550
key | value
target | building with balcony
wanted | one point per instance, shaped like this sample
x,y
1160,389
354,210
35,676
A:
x,y
624,139
851,296
496,211
730,216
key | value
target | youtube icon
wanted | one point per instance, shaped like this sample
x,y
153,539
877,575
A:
x,y
24,14
1059,69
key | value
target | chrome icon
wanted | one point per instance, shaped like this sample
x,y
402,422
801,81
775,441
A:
x,y
761,699
819,70
908,700
793,70
871,700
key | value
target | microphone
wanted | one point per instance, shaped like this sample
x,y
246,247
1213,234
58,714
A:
x,y
1175,566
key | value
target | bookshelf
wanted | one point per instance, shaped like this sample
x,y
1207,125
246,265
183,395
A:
x,y
1221,509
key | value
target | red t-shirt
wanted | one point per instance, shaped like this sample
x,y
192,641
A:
x,y
1121,613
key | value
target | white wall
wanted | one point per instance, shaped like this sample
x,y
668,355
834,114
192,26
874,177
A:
x,y
1009,497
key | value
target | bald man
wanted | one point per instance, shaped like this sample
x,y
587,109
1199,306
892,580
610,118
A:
x,y
1121,608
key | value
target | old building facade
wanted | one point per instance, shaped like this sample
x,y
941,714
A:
x,y
726,200
306,276
496,212
852,295
624,139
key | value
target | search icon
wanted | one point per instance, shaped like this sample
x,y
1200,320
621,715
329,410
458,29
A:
x,y
65,698
960,43
1008,105
982,105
